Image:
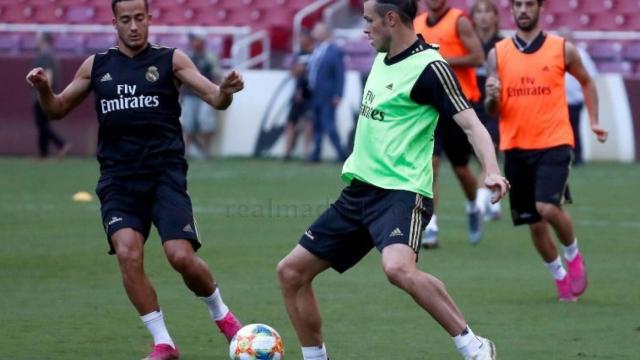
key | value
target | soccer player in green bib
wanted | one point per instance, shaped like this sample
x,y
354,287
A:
x,y
388,201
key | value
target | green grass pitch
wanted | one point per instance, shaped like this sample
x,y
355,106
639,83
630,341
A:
x,y
61,296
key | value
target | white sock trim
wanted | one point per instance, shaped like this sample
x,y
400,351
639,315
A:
x,y
433,223
556,269
571,251
154,322
483,198
314,352
467,343
217,308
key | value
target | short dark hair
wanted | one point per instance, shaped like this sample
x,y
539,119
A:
x,y
407,9
490,3
115,2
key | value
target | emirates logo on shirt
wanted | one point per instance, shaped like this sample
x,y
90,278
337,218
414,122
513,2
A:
x,y
368,111
528,87
128,99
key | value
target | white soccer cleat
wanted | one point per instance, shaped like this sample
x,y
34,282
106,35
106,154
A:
x,y
487,351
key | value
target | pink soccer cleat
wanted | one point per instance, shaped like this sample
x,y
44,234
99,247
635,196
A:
x,y
564,290
578,275
229,326
163,352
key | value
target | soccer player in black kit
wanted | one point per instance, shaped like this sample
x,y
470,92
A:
x,y
142,164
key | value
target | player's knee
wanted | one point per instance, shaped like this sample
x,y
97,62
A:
x,y
129,254
288,274
546,210
180,260
397,273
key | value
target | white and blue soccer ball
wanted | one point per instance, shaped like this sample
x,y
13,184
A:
x,y
256,342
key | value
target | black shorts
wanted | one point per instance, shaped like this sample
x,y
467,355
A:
x,y
451,140
537,176
489,122
139,200
365,216
299,110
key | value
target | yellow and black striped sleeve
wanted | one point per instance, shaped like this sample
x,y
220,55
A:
x,y
438,86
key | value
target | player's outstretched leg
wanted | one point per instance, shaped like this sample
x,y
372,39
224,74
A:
x,y
198,278
541,236
399,264
129,248
296,273
561,222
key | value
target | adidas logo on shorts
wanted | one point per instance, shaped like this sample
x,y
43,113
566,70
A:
x,y
396,232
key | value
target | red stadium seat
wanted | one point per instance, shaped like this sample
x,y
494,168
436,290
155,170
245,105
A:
x,y
47,13
607,21
592,6
80,14
627,7
605,50
561,7
279,18
173,16
236,4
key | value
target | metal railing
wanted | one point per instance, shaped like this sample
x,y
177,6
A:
x,y
299,17
241,51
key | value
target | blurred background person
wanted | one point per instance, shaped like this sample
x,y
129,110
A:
x,y
47,60
486,18
449,28
300,114
575,98
198,118
326,81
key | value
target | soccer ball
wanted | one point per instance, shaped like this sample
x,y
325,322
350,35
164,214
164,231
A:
x,y
256,342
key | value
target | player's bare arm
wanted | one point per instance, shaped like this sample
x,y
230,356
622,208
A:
x,y
471,42
483,146
220,97
57,106
574,67
492,87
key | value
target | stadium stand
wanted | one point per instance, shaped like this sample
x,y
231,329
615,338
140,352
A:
x,y
276,17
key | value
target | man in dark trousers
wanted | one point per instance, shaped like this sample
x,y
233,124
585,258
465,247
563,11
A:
x,y
326,81
142,164
46,135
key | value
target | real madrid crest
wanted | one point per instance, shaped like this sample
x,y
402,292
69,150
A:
x,y
152,74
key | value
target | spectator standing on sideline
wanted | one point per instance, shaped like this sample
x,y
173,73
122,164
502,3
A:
x,y
326,81
300,113
51,66
198,117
